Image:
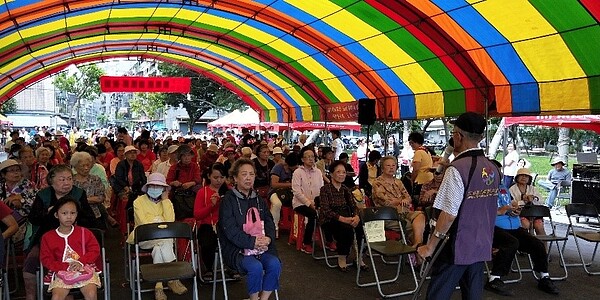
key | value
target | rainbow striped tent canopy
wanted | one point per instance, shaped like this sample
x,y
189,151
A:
x,y
300,60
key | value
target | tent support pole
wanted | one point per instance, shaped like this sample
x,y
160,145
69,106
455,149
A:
x,y
368,134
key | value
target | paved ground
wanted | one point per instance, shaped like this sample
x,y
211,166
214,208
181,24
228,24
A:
x,y
304,278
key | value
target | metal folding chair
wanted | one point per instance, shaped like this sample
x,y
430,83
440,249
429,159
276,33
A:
x,y
390,248
165,271
318,235
542,211
219,267
588,211
103,266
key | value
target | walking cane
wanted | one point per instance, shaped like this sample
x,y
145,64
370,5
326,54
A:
x,y
430,260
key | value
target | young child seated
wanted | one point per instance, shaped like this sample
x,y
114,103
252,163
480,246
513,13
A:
x,y
69,249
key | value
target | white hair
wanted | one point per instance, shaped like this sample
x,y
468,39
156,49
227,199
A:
x,y
78,157
39,151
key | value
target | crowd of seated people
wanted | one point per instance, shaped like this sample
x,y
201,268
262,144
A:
x,y
215,182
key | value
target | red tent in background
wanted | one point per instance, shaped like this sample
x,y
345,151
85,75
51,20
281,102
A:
x,y
587,122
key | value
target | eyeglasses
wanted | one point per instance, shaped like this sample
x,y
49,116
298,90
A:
x,y
453,132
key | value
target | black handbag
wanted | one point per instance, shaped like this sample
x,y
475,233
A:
x,y
183,203
285,196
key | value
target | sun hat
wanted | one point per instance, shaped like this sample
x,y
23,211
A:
x,y
131,148
155,179
58,133
213,148
523,171
277,150
8,163
558,160
172,149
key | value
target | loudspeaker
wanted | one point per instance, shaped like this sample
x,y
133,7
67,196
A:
x,y
366,111
586,191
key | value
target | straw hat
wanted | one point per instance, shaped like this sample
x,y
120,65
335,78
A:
x,y
277,150
58,133
131,148
9,163
155,179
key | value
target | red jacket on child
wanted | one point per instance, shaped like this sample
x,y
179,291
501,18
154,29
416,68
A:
x,y
81,243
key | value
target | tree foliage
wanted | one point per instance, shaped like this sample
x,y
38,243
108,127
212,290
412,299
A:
x,y
205,94
84,84
148,104
102,119
9,106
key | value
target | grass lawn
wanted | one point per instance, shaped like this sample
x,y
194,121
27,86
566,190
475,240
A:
x,y
540,164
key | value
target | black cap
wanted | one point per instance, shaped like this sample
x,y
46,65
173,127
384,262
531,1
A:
x,y
470,122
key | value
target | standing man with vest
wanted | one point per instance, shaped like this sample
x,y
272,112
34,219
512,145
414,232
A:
x,y
467,199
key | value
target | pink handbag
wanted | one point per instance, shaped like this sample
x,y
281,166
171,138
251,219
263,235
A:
x,y
253,228
73,277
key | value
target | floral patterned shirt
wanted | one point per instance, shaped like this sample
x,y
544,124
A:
x,y
93,187
26,189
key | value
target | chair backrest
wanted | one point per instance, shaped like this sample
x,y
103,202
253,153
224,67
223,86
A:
x,y
164,230
582,210
534,177
535,211
379,213
99,235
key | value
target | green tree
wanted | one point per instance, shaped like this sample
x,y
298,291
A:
x,y
150,105
204,95
9,106
84,84
102,119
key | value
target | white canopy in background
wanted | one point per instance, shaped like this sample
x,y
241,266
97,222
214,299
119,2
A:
x,y
226,120
36,120
250,118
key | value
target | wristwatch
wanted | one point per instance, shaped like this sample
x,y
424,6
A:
x,y
440,235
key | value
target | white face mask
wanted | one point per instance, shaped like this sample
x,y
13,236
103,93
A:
x,y
155,192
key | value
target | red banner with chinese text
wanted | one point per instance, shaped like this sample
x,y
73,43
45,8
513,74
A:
x,y
130,84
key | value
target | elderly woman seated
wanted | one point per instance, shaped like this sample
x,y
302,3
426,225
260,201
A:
x,y
389,191
155,207
82,162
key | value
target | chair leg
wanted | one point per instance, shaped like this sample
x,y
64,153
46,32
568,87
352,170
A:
x,y
322,238
218,261
516,262
561,262
585,265
377,281
11,256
